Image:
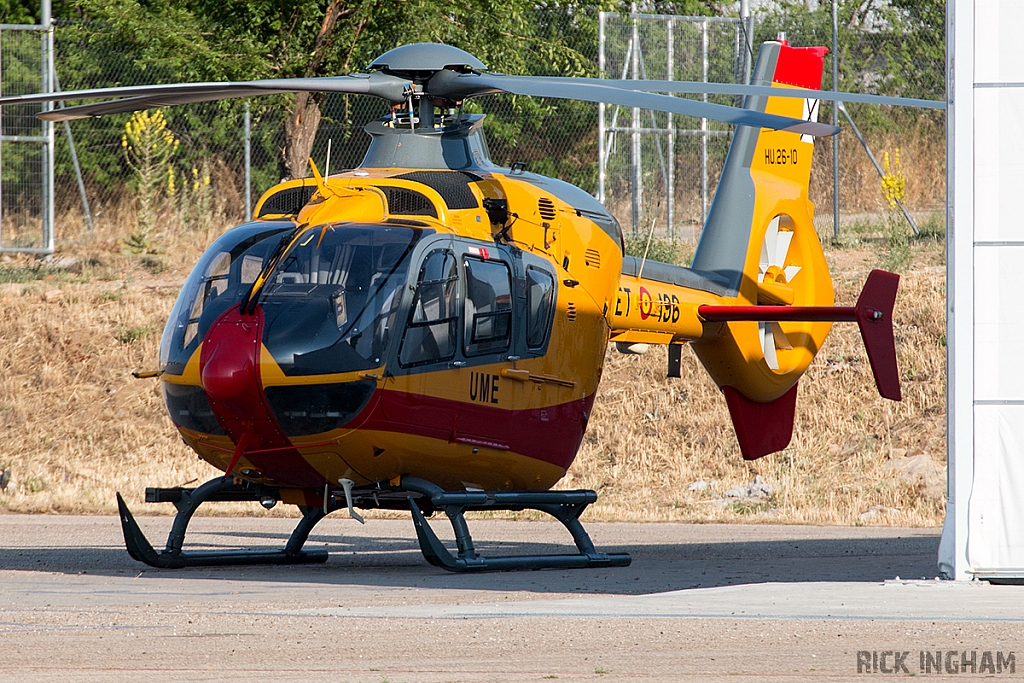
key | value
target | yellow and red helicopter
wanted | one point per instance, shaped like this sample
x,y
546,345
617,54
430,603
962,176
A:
x,y
427,331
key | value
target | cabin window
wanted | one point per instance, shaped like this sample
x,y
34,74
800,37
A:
x,y
540,298
431,333
488,307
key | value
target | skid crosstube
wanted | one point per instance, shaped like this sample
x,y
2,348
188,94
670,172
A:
x,y
565,506
413,494
221,489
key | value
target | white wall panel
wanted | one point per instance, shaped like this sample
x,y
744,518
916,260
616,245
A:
x,y
996,505
998,324
999,56
999,163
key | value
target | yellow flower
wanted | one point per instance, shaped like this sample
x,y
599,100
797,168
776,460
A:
x,y
894,183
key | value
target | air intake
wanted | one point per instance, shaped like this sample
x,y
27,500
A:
x,y
408,202
287,202
546,207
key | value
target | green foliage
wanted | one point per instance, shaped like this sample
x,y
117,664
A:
x,y
14,12
891,46
130,335
148,146
19,274
103,42
663,250
896,47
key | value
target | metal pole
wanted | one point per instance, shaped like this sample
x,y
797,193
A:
x,y
600,109
671,189
874,161
46,19
611,140
835,120
635,134
657,140
704,126
1,159
74,160
248,162
747,26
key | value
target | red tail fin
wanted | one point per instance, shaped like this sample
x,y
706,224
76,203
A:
x,y
761,428
874,317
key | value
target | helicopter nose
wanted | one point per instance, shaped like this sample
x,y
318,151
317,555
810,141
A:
x,y
229,369
229,365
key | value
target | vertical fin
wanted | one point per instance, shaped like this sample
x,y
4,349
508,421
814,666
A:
x,y
759,237
757,156
761,428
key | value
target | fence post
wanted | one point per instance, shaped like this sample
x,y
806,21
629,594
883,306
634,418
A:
x,y
704,125
670,190
835,120
74,160
747,27
635,137
248,163
46,19
601,152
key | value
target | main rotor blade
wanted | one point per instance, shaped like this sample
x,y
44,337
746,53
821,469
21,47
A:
x,y
391,88
699,88
455,87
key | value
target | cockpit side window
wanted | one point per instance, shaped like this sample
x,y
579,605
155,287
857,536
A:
x,y
488,306
430,335
540,299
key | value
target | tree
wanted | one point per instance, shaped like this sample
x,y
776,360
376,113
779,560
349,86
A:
x,y
249,39
895,47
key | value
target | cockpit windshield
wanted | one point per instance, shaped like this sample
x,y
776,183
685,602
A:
x,y
220,279
331,303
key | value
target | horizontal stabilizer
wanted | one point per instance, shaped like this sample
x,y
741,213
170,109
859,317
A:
x,y
873,315
761,428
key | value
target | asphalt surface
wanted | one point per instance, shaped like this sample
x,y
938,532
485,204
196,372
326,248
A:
x,y
699,602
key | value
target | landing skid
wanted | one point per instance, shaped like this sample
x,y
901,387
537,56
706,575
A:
x,y
565,506
221,489
420,497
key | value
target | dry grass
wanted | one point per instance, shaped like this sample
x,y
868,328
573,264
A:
x,y
922,155
77,427
651,437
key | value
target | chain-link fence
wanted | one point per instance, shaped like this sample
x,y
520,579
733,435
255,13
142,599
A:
x,y
556,137
24,142
660,169
896,48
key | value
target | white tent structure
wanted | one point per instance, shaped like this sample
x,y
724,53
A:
x,y
984,532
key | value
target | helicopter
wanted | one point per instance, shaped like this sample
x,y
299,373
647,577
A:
x,y
427,332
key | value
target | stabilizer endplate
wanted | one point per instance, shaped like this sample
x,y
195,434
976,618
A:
x,y
874,318
761,428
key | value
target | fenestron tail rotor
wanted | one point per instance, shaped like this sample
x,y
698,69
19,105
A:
x,y
774,271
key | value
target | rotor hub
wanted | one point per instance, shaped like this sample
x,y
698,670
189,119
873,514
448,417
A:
x,y
426,58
